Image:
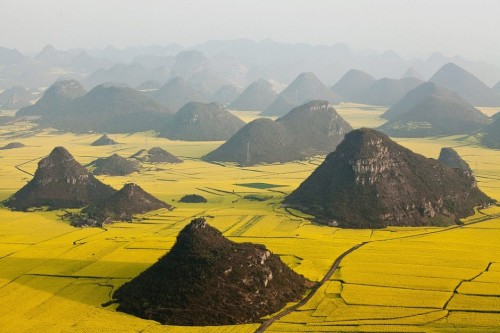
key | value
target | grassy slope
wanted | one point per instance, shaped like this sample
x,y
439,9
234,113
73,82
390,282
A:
x,y
58,276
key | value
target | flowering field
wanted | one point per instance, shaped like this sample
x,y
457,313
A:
x,y
56,278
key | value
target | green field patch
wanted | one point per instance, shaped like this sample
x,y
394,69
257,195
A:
x,y
260,186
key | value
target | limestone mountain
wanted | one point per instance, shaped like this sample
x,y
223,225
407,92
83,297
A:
x,y
466,85
55,100
206,279
491,137
12,145
280,106
112,109
113,165
176,93
202,122
304,88
353,82
449,157
149,85
256,97
104,140
312,129
156,155
496,88
386,92
412,72
129,75
59,182
370,181
123,204
15,98
429,110
417,96
226,94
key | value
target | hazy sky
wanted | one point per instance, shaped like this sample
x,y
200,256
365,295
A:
x,y
466,27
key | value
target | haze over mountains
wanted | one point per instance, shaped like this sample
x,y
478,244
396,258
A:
x,y
237,62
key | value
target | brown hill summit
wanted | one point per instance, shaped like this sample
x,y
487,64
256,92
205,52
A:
x,y
156,155
207,279
125,203
104,140
113,165
449,157
370,181
60,182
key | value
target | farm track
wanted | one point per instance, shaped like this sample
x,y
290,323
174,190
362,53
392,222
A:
x,y
267,323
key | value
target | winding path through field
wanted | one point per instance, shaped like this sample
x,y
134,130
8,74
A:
x,y
265,325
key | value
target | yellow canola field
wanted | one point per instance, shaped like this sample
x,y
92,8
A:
x,y
56,278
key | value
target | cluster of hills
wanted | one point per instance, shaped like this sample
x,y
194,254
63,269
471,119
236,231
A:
x,y
370,181
312,129
61,182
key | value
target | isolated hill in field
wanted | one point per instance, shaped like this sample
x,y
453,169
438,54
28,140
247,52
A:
x,y
15,98
125,203
113,165
304,88
386,92
176,93
156,155
149,85
492,135
104,140
449,157
55,100
206,279
412,73
226,94
13,145
59,182
466,85
256,97
430,110
202,122
353,82
112,109
370,181
312,129
193,198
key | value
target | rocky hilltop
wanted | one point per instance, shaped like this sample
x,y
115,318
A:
x,y
104,140
449,157
60,182
202,122
370,181
55,100
156,155
113,165
207,279
314,128
121,206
